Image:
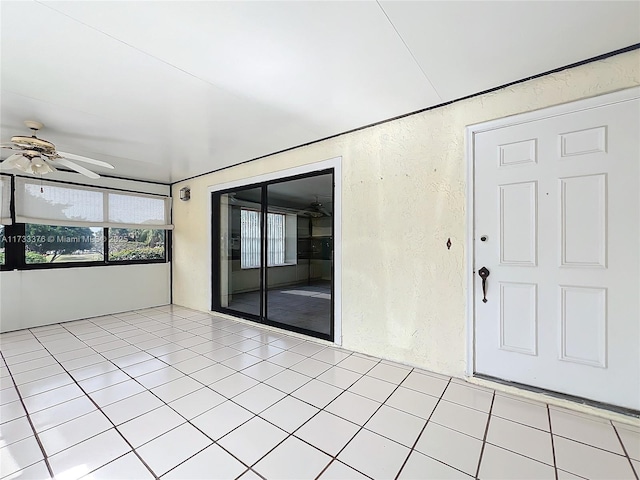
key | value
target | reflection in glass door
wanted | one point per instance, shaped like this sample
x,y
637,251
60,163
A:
x,y
273,253
299,281
240,266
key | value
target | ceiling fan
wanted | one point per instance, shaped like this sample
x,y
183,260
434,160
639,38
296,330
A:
x,y
315,209
38,156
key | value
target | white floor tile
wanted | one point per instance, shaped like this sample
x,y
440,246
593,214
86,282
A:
x,y
174,447
19,455
631,440
159,377
83,458
51,417
590,462
252,440
521,439
139,369
340,377
292,460
352,407
425,383
93,370
389,373
339,471
317,393
331,355
396,425
150,425
212,374
469,396
327,432
373,455
197,403
50,398
37,471
222,354
263,370
175,389
307,349
233,385
10,411
527,413
413,402
357,364
131,407
193,364
45,384
265,351
288,381
213,463
178,356
421,466
74,431
117,392
105,380
287,359
373,388
596,432
311,367
127,467
15,430
222,419
453,448
498,463
242,361
289,413
259,398
461,418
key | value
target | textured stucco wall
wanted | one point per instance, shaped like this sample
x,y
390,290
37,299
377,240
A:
x,y
404,294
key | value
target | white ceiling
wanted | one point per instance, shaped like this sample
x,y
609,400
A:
x,y
168,90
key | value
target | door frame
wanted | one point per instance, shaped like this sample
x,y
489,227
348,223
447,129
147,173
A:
x,y
612,98
332,163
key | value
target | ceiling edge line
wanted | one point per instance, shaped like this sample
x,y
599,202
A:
x,y
604,56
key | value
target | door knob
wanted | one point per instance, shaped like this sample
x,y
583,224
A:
x,y
484,273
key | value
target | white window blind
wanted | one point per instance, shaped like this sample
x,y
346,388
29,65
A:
x,y
5,200
250,239
51,203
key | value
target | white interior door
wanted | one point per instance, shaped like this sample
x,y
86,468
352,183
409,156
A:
x,y
557,217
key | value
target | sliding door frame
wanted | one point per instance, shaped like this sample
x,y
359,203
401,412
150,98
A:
x,y
332,167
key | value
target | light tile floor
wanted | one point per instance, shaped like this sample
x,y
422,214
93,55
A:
x,y
178,394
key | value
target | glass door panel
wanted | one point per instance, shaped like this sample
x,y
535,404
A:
x,y
300,254
240,265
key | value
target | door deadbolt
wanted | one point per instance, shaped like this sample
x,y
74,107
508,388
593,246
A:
x,y
483,238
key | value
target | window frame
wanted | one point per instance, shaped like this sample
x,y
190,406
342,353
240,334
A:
x,y
284,263
15,252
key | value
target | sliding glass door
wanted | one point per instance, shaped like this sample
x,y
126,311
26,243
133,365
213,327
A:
x,y
273,253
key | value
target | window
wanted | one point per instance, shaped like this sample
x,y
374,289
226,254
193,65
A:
x,y
60,244
134,244
250,245
61,224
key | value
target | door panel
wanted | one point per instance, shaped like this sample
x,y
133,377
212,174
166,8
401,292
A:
x,y
557,200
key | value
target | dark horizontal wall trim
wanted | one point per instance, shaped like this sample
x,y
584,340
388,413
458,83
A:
x,y
65,182
549,72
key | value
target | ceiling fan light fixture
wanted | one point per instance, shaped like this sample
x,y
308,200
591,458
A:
x,y
23,164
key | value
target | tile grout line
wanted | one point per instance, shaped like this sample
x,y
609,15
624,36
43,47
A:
x,y
99,408
28,415
484,438
553,446
624,449
412,449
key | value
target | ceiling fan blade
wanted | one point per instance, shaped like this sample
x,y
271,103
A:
x,y
80,158
10,146
76,167
10,162
324,211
